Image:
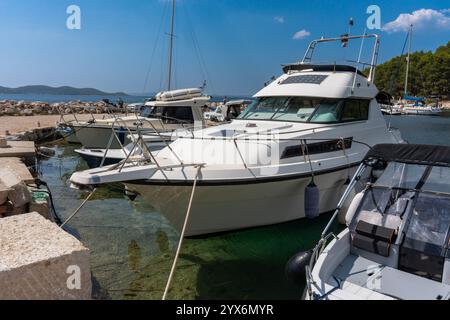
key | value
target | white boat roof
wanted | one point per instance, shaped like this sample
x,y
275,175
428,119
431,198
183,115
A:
x,y
307,82
238,102
197,101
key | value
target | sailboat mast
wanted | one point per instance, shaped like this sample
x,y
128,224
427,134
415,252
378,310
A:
x,y
171,45
408,60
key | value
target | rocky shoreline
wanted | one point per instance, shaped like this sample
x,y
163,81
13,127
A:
x,y
26,108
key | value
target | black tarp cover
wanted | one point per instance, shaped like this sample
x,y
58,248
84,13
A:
x,y
321,68
412,154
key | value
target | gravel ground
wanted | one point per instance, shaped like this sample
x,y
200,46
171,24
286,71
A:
x,y
20,124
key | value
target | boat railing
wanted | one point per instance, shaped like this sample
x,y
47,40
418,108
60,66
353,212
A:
x,y
317,251
139,137
136,141
346,38
327,235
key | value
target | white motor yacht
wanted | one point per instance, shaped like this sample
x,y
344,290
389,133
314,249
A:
x,y
396,241
308,130
171,110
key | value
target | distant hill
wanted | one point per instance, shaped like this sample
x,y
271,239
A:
x,y
68,91
429,74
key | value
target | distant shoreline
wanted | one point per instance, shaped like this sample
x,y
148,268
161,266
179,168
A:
x,y
54,98
63,90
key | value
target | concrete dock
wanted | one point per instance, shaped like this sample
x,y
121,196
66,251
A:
x,y
40,261
18,149
18,167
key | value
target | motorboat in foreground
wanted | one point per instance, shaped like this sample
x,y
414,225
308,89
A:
x,y
396,241
307,131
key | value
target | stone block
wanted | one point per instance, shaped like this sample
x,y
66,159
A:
x,y
40,261
19,195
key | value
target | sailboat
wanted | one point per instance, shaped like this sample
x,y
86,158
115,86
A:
x,y
167,112
414,105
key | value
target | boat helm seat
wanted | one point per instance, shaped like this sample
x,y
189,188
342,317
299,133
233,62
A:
x,y
374,238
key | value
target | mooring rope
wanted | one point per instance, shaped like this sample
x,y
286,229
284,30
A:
x,y
183,232
79,208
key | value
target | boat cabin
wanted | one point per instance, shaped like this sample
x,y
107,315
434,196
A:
x,y
178,106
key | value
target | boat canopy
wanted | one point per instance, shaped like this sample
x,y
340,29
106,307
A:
x,y
409,98
321,68
384,98
412,154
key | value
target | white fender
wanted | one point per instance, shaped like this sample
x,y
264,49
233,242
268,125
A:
x,y
351,211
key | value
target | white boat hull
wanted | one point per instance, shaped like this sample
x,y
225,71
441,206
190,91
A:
x,y
97,137
422,111
224,207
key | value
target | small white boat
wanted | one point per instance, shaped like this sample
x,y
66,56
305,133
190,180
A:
x,y
393,110
396,242
228,111
421,110
313,123
153,143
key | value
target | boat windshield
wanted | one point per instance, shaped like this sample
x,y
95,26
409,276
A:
x,y
304,109
424,189
413,176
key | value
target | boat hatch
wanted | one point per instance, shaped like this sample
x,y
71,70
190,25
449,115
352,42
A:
x,y
413,201
228,133
309,78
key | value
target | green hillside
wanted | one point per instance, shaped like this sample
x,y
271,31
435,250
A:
x,y
429,74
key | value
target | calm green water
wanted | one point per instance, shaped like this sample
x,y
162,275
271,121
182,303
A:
x,y
132,245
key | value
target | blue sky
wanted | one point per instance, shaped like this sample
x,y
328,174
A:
x,y
242,42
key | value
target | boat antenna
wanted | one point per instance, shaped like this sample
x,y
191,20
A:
x,y
171,45
346,37
351,23
408,60
359,60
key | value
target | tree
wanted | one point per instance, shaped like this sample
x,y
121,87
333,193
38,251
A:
x,y
429,74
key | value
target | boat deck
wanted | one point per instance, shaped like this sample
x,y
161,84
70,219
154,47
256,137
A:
x,y
357,274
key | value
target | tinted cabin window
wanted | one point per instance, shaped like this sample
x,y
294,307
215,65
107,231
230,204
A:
x,y
355,110
316,148
304,109
175,114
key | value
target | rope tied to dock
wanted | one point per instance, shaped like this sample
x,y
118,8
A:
x,y
79,208
183,232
